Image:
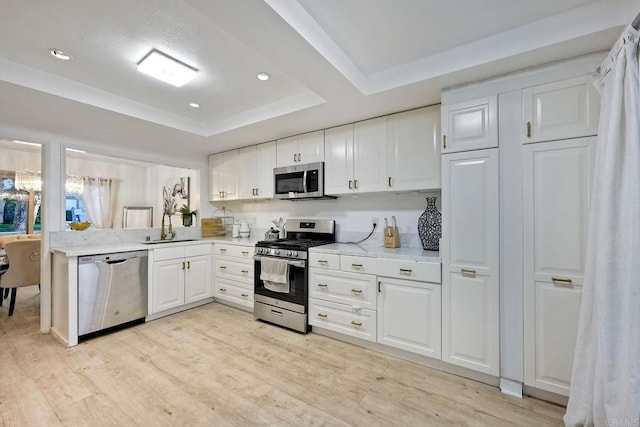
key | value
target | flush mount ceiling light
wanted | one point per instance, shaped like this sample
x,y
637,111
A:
x,y
169,70
262,76
194,105
60,54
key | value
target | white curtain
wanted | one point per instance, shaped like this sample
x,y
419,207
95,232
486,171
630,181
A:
x,y
605,385
97,197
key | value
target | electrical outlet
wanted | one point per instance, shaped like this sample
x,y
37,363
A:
x,y
374,220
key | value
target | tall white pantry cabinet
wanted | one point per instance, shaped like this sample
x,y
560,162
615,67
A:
x,y
517,165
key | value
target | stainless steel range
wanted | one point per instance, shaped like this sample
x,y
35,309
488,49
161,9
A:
x,y
282,275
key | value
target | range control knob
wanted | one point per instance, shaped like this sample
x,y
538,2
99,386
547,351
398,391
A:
x,y
294,254
276,251
288,253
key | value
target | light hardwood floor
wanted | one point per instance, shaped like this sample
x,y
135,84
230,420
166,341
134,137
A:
x,y
215,365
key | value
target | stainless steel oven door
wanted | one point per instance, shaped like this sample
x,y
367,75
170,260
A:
x,y
297,293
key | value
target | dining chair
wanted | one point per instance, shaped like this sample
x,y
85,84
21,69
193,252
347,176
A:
x,y
24,267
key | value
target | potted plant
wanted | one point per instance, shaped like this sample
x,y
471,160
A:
x,y
187,215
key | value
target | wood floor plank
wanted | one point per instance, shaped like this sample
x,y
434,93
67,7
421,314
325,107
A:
x,y
215,365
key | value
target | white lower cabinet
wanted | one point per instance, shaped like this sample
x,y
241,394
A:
x,y
234,275
359,323
180,275
409,316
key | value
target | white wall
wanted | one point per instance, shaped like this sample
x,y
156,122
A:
x,y
16,159
353,214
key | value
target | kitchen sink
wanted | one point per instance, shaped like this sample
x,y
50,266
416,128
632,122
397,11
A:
x,y
155,242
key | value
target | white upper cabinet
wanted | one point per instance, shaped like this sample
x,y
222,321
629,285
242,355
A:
x,y
470,125
470,252
338,166
300,149
257,163
560,110
370,155
400,152
223,176
413,149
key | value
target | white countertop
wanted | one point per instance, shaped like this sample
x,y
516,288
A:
x,y
415,254
242,241
70,251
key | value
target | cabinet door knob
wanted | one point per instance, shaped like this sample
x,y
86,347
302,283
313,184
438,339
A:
x,y
528,129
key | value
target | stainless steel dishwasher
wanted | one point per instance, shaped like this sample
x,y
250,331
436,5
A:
x,y
112,290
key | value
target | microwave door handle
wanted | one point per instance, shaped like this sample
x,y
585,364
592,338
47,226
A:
x,y
304,181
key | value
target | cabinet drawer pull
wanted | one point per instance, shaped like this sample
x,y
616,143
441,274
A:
x,y
354,265
389,181
324,316
322,285
323,261
245,295
558,281
222,267
406,270
355,184
528,129
444,142
379,286
244,271
356,291
244,253
223,290
357,324
222,250
468,272
183,265
188,265
350,185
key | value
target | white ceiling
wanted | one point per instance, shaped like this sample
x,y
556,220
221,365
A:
x,y
330,61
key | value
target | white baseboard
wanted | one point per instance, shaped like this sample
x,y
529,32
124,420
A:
x,y
510,387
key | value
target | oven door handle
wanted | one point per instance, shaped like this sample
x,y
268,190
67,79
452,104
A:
x,y
292,262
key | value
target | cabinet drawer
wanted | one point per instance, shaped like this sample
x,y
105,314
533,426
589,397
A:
x,y
326,261
358,264
234,270
196,250
343,319
229,291
355,290
173,252
237,251
412,270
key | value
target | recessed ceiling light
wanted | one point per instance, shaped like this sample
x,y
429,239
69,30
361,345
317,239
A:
x,y
194,105
60,54
165,68
263,76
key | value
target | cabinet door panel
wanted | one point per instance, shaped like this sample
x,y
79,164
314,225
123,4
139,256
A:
x,y
560,110
470,322
216,165
265,162
198,282
338,166
370,155
231,173
168,284
470,209
556,200
409,316
287,151
311,147
470,125
247,178
557,312
414,149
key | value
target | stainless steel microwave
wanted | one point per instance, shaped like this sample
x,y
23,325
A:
x,y
299,181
